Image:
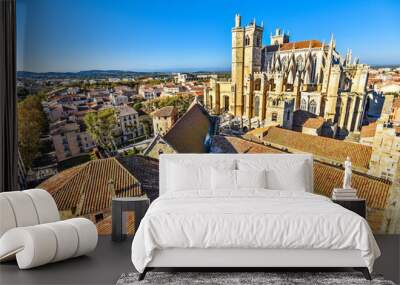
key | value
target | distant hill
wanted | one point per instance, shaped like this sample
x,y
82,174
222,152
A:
x,y
97,74
385,65
82,74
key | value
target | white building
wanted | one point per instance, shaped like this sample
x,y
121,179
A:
x,y
148,92
172,89
182,78
114,80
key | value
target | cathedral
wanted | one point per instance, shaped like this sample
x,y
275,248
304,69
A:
x,y
270,84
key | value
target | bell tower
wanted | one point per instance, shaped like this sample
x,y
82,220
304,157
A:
x,y
238,64
252,51
279,37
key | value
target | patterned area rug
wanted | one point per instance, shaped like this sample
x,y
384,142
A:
x,y
240,278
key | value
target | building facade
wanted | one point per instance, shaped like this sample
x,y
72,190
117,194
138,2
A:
x,y
128,123
149,92
268,83
70,140
163,119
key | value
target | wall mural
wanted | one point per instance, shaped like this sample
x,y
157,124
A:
x,y
89,135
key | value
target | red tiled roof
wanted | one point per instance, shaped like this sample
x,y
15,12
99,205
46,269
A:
x,y
145,170
295,45
87,186
104,227
314,123
225,144
333,149
165,111
374,190
368,131
326,177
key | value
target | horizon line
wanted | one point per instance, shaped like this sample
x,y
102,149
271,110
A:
x,y
172,70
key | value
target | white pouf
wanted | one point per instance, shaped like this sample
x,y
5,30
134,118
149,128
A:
x,y
31,232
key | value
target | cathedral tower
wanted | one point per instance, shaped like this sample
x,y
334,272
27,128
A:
x,y
252,50
279,38
238,64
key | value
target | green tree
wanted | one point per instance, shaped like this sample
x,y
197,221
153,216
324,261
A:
x,y
137,106
131,152
181,102
32,124
146,128
22,92
101,126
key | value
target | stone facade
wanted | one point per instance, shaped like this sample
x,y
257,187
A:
x,y
385,158
268,83
163,119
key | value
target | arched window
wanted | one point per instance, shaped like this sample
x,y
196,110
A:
x,y
247,41
274,117
313,107
303,105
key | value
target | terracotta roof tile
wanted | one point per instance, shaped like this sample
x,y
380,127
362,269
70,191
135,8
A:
x,y
167,111
326,177
368,131
104,227
55,183
225,144
295,45
314,123
146,171
335,150
374,190
87,186
300,117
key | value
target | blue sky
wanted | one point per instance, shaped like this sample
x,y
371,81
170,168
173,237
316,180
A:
x,y
73,35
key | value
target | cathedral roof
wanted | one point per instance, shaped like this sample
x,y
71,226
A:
x,y
294,45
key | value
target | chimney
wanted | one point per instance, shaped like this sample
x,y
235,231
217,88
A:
x,y
111,187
